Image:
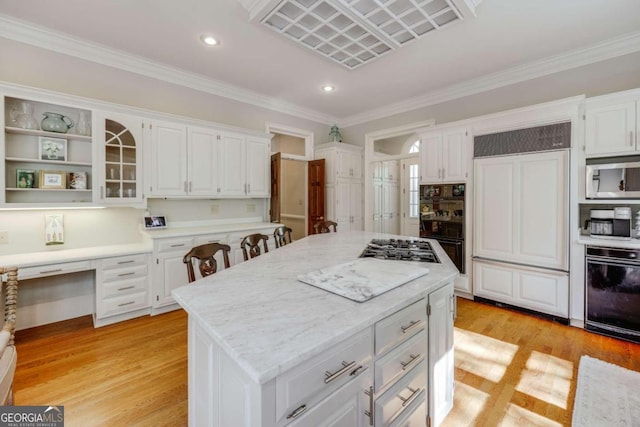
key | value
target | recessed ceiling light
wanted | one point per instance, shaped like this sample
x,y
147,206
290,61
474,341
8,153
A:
x,y
328,88
209,40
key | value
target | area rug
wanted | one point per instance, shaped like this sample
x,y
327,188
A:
x,y
606,395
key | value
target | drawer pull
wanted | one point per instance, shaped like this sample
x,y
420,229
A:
x,y
408,400
414,324
333,376
356,371
369,413
298,411
413,358
125,262
177,246
126,274
57,270
126,303
131,287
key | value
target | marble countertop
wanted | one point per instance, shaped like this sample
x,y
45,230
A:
x,y
56,256
268,321
611,243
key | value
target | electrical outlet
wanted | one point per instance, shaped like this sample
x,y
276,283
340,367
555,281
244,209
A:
x,y
215,209
251,207
4,237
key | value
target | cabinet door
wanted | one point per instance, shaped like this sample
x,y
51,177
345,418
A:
x,y
169,159
355,205
454,159
430,158
610,129
355,164
343,164
343,204
441,367
258,167
233,180
120,158
349,406
204,159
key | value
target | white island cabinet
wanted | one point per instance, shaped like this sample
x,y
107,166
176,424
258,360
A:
x,y
268,350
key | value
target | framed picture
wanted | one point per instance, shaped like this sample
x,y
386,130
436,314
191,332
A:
x,y
53,179
78,180
52,148
25,178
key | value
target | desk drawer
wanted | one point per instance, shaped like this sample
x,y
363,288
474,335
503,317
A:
x,y
400,360
129,272
210,238
400,326
122,304
123,262
124,287
315,379
52,269
175,245
401,395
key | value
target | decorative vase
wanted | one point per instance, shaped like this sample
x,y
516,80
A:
x,y
22,116
83,127
334,134
54,122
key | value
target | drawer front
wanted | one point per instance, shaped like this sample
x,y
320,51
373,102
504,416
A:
x,y
174,245
313,380
401,395
53,269
400,360
123,262
416,415
400,326
124,287
122,304
210,238
125,273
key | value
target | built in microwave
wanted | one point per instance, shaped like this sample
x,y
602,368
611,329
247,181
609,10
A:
x,y
613,180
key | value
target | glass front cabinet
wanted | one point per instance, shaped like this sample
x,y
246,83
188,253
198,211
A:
x,y
119,159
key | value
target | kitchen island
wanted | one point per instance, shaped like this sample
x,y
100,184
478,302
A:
x,y
267,350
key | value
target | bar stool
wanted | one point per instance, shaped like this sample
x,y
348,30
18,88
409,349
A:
x,y
324,227
282,236
205,254
251,245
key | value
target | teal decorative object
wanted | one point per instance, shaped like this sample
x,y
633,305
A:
x,y
334,134
54,122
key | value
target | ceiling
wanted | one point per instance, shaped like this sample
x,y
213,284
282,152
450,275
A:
x,y
506,42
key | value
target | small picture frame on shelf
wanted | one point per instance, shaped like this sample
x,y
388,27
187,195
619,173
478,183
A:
x,y
78,180
53,179
25,178
52,148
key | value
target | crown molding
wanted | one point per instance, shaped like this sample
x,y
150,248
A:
x,y
612,48
44,38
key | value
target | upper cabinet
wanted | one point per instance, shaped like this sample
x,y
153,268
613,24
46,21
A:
x,y
119,166
47,154
443,156
201,162
611,125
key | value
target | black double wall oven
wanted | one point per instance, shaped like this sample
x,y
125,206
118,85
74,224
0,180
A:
x,y
442,218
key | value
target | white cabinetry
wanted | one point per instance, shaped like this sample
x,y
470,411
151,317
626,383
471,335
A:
x,y
343,184
612,123
443,156
386,191
203,164
122,287
34,176
120,158
169,270
245,165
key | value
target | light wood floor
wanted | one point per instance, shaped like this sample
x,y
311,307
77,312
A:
x,y
511,369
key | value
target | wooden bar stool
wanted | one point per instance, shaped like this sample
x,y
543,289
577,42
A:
x,y
251,245
324,227
205,254
282,236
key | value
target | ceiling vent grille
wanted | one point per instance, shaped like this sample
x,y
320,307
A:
x,y
355,32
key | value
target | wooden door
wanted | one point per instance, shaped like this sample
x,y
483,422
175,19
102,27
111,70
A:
x,y
316,193
274,211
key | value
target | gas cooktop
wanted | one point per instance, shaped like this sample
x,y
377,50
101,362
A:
x,y
400,250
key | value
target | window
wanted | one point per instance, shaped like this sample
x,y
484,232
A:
x,y
415,147
414,190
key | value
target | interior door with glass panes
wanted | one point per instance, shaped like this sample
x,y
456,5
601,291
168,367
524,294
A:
x,y
410,195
